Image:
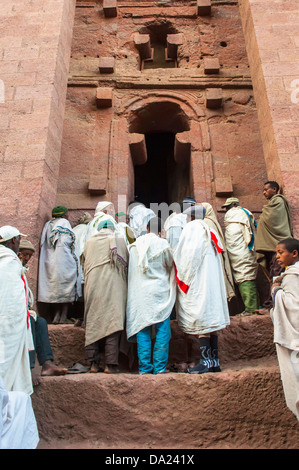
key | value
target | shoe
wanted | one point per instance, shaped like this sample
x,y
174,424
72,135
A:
x,y
205,363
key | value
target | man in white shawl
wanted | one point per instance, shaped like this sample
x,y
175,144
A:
x,y
151,297
15,332
59,281
105,266
139,216
39,326
173,227
201,305
239,238
104,211
285,316
212,221
18,429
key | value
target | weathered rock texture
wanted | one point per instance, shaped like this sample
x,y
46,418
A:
x,y
241,407
272,42
35,42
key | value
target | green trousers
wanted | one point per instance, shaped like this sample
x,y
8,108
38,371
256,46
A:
x,y
250,296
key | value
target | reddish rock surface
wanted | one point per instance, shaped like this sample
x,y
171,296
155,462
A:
x,y
241,407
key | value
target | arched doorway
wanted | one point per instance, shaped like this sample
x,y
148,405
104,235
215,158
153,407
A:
x,y
161,178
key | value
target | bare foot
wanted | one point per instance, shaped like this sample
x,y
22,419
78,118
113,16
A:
x,y
35,379
50,369
111,369
56,318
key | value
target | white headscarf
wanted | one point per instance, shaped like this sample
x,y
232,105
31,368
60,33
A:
x,y
101,206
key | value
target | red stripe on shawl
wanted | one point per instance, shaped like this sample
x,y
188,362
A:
x,y
215,240
28,314
181,284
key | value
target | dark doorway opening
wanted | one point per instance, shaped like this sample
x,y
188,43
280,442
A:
x,y
161,179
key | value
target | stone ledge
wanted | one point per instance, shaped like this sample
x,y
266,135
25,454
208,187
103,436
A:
x,y
245,338
245,406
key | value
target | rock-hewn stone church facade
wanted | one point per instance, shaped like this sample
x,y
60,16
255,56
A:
x,y
154,100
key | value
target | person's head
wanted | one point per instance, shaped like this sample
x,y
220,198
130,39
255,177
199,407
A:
x,y
106,207
270,189
287,252
84,218
60,211
26,250
195,212
230,203
10,237
106,224
155,226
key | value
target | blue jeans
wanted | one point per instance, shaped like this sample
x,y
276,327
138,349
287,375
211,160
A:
x,y
161,348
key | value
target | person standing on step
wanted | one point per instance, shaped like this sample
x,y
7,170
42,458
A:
x,y
201,305
285,316
151,297
39,327
273,226
239,239
59,280
212,221
15,332
105,268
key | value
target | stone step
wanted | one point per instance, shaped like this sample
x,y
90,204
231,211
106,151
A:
x,y
245,338
241,407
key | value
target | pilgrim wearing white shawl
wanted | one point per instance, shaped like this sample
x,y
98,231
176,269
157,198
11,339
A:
x,y
15,332
239,239
151,297
18,429
139,216
173,227
105,265
285,316
201,306
104,211
59,279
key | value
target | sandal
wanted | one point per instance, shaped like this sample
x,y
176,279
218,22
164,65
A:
x,y
78,368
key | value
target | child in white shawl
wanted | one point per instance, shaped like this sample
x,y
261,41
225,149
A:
x,y
285,316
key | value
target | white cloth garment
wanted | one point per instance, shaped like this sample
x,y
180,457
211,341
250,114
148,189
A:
x,y
151,283
18,429
139,217
80,232
285,316
238,235
14,331
59,268
173,227
201,305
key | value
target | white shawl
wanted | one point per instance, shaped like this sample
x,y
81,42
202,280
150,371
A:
x,y
139,218
286,309
14,331
173,227
238,235
59,268
151,283
18,429
201,296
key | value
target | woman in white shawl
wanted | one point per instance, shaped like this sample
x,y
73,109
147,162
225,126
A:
x,y
151,297
201,306
59,279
